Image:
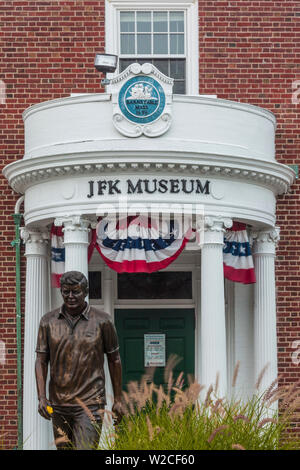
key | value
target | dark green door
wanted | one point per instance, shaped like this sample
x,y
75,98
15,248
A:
x,y
178,327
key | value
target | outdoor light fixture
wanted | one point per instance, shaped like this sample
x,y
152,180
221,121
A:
x,y
106,63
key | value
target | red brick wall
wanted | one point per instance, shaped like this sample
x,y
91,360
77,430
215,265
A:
x,y
47,51
249,51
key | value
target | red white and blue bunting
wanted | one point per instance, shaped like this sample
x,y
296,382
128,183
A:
x,y
136,244
57,255
237,256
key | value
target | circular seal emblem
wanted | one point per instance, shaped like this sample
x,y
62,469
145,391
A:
x,y
142,99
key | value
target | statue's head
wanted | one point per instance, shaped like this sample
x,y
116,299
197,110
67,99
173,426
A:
x,y
74,289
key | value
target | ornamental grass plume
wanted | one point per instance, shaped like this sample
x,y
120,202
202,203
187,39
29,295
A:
x,y
62,439
175,417
2,436
215,431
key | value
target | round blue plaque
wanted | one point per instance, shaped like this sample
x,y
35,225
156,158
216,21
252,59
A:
x,y
142,99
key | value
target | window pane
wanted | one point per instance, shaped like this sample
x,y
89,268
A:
x,y
123,64
143,61
157,285
127,44
177,68
176,21
143,19
162,65
160,44
179,87
127,21
176,44
95,285
160,21
144,44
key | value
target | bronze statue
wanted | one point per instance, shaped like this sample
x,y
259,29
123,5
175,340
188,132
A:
x,y
74,339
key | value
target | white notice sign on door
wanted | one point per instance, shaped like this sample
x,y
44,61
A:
x,y
155,350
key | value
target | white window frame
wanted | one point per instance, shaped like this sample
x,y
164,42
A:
x,y
112,33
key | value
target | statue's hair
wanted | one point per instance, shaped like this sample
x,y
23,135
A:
x,y
74,277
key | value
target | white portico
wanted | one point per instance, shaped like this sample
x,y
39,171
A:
x,y
213,153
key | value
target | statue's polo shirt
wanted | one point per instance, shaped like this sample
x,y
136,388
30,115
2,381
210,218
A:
x,y
76,353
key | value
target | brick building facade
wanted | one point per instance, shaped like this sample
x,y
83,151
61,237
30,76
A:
x,y
248,52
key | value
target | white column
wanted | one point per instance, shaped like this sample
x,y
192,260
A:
x,y
213,329
36,430
198,373
108,308
265,336
108,290
76,243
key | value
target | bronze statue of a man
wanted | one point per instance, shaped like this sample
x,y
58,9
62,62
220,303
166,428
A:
x,y
74,339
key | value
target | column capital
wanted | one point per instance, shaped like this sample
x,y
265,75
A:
x,y
76,241
72,223
36,240
265,241
214,228
217,223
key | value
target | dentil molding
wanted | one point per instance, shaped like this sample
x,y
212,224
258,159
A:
x,y
26,173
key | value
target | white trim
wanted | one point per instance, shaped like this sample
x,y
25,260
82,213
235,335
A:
x,y
112,8
230,331
152,306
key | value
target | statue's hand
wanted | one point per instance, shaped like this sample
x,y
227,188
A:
x,y
117,409
43,404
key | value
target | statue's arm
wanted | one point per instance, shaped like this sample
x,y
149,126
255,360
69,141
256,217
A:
x,y
115,370
41,371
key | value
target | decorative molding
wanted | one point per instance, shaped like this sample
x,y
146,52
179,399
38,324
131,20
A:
x,y
212,232
156,88
36,241
217,224
136,69
154,130
266,236
72,223
34,235
26,173
265,242
92,220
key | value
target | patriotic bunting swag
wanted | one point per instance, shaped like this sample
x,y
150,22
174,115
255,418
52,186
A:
x,y
136,244
57,255
237,256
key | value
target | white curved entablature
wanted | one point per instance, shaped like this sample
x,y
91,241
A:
x,y
72,141
200,125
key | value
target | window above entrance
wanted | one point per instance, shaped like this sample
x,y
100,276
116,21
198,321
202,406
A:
x,y
162,33
158,285
157,37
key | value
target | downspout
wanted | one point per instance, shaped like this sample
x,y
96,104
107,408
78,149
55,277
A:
x,y
16,243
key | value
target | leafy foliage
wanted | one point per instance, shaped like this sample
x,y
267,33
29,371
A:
x,y
184,419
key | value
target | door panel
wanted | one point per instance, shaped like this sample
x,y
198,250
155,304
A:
x,y
176,324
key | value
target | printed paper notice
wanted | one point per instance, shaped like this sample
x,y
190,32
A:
x,y
155,350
